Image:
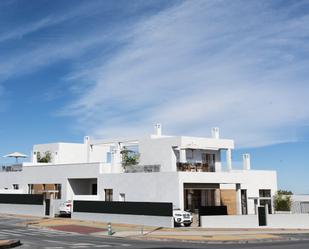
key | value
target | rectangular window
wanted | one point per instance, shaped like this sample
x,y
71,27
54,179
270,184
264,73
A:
x,y
189,154
265,193
94,189
15,186
108,157
268,203
108,194
58,191
30,188
122,197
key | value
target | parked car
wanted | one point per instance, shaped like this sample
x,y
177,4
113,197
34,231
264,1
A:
x,y
182,218
65,208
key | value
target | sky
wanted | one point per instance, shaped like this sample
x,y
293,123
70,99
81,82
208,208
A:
x,y
115,68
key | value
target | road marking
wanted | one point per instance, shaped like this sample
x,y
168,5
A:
x,y
53,247
83,244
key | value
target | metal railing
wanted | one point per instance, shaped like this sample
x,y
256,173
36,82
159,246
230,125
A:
x,y
11,168
194,167
142,168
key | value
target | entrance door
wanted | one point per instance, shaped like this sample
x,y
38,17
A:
x,y
262,216
47,207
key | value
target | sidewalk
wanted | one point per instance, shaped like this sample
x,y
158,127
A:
x,y
156,233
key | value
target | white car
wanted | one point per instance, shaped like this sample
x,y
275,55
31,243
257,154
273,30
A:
x,y
65,208
182,218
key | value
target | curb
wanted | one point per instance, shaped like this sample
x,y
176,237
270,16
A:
x,y
221,242
10,244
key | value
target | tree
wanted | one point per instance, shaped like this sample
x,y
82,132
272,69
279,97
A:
x,y
44,159
129,157
282,200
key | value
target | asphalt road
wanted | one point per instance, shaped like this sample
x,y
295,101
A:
x,y
39,238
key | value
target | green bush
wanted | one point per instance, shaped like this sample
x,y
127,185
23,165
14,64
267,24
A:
x,y
129,157
44,159
282,200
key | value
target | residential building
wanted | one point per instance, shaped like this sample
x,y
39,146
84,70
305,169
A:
x,y
188,171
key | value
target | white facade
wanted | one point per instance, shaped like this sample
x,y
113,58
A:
x,y
186,171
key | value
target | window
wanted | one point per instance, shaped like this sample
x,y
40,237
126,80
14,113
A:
x,y
30,188
189,154
266,202
108,157
58,194
15,186
265,193
122,197
94,189
108,194
265,199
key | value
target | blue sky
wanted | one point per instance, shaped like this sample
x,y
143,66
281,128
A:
x,y
113,68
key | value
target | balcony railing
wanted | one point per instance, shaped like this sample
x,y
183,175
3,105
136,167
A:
x,y
11,168
194,167
142,168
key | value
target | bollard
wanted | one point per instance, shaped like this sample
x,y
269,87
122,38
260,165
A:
x,y
109,229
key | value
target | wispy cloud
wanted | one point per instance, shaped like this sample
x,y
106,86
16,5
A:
x,y
51,20
236,64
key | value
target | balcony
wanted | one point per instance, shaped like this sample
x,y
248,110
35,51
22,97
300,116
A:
x,y
142,168
194,167
11,168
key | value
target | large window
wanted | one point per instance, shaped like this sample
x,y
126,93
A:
x,y
108,194
58,194
265,193
265,199
30,188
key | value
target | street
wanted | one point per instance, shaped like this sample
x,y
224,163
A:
x,y
49,239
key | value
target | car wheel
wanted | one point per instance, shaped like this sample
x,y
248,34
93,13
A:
x,y
187,224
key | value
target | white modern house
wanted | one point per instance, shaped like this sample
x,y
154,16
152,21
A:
x,y
187,171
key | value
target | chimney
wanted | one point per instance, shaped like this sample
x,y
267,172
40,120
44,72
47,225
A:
x,y
158,129
215,133
246,161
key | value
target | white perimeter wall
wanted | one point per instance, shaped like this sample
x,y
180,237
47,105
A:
x,y
22,209
282,221
146,220
229,221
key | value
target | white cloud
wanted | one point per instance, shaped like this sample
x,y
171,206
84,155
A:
x,y
45,22
200,64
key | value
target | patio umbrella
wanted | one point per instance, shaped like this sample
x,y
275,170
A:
x,y
16,155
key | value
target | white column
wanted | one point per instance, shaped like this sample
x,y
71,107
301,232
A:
x,y
217,197
34,157
218,161
182,156
116,163
238,199
229,159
